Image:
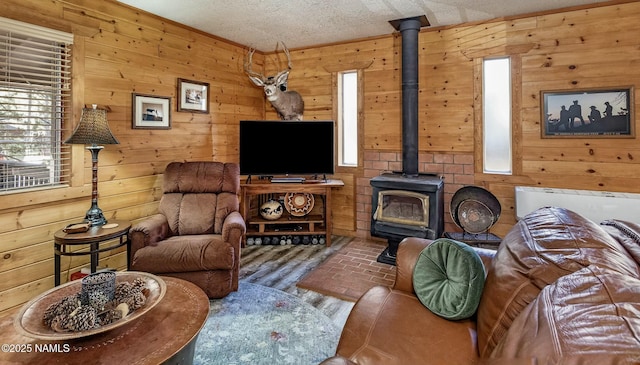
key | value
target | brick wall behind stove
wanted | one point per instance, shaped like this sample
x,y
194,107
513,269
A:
x,y
456,168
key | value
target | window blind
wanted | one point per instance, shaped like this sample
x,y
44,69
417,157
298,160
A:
x,y
35,102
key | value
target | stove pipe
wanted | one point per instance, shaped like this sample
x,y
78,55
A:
x,y
409,29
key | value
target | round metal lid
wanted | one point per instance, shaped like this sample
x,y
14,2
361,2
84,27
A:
x,y
481,210
474,216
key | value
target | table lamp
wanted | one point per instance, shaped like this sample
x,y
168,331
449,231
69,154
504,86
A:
x,y
92,130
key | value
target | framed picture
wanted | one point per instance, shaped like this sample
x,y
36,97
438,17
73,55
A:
x,y
194,96
151,112
593,113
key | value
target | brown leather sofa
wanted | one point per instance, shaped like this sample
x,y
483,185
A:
x,y
559,290
197,233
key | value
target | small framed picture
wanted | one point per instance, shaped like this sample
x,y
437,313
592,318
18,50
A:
x,y
588,113
194,96
151,112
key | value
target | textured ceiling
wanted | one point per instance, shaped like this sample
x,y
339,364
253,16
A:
x,y
302,23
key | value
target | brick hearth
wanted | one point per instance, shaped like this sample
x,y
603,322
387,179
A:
x,y
351,271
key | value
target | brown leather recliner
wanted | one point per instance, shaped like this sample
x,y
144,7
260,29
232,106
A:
x,y
197,233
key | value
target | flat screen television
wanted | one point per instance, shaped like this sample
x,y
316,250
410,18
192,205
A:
x,y
285,148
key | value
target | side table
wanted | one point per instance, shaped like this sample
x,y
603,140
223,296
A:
x,y
63,242
167,334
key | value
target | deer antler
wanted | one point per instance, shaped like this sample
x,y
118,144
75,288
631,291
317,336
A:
x,y
289,63
286,52
247,65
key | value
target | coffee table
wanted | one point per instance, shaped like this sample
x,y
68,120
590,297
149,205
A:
x,y
165,335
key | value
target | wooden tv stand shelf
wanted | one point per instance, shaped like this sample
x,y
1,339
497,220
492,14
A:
x,y
311,224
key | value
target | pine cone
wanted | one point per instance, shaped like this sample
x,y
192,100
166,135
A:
x,y
109,317
139,300
82,319
138,284
62,307
123,290
135,301
58,323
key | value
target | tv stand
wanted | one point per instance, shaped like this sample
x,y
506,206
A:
x,y
315,223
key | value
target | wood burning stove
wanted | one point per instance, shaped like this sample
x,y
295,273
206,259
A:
x,y
406,206
407,203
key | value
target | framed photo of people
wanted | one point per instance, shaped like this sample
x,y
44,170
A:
x,y
588,113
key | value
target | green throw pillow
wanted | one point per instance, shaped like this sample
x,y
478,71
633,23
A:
x,y
448,279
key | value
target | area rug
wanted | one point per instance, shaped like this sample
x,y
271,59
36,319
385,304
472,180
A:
x,y
261,325
351,271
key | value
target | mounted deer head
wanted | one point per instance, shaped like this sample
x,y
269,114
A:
x,y
288,104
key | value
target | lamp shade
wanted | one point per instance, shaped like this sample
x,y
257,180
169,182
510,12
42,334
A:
x,y
92,129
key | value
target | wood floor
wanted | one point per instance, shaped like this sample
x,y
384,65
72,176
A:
x,y
281,267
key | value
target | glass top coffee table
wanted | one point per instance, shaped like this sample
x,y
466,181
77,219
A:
x,y
165,335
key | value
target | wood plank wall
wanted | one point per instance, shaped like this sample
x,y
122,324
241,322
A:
x,y
582,47
120,50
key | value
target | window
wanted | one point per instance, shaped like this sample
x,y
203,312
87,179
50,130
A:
x,y
35,66
496,118
348,118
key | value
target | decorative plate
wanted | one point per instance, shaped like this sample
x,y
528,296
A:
x,y
299,204
475,216
29,321
479,195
